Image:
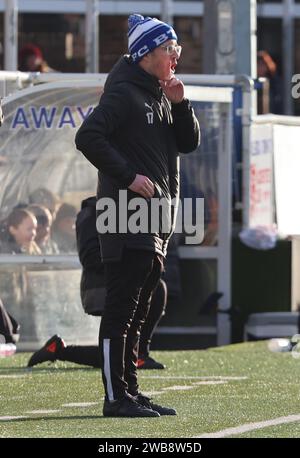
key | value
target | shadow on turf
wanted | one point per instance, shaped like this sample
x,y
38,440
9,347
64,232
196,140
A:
x,y
45,369
77,417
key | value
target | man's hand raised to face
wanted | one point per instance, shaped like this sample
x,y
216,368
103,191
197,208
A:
x,y
174,89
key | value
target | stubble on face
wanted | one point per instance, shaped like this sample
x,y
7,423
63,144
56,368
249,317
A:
x,y
159,64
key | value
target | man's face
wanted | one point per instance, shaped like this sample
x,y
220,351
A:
x,y
162,61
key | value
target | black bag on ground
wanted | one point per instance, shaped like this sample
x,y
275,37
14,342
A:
x,y
92,284
9,327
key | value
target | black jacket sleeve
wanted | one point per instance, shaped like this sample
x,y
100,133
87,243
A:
x,y
187,130
93,137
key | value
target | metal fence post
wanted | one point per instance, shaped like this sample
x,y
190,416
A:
x,y
11,35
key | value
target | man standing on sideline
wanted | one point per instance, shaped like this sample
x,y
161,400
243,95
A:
x,y
133,137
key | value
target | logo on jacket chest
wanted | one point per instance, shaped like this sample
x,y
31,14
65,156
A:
x,y
149,113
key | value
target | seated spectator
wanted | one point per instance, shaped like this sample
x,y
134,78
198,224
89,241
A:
x,y
48,199
267,68
63,229
18,233
31,59
44,223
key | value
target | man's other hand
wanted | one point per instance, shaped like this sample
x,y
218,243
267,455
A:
x,y
142,185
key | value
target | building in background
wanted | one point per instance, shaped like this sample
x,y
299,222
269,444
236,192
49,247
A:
x,y
59,29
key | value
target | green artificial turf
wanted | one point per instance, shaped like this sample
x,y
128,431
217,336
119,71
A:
x,y
267,387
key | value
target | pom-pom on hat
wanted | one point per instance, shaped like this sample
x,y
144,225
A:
x,y
146,34
30,49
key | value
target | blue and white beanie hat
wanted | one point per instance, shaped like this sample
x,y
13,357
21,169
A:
x,y
146,34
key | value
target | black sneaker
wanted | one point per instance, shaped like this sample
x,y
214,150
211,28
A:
x,y
127,407
146,402
149,363
48,352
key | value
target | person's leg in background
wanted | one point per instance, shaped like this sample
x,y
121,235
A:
x,y
140,316
56,349
156,312
89,355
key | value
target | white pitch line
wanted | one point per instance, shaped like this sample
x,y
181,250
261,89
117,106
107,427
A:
x,y
80,404
42,411
152,393
9,417
250,427
13,376
178,388
185,387
192,377
211,382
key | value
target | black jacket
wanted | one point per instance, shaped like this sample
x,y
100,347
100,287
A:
x,y
121,138
87,237
92,283
9,327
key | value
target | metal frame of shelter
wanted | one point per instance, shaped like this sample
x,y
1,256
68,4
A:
x,y
207,88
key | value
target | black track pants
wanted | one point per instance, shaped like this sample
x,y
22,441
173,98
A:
x,y
130,284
